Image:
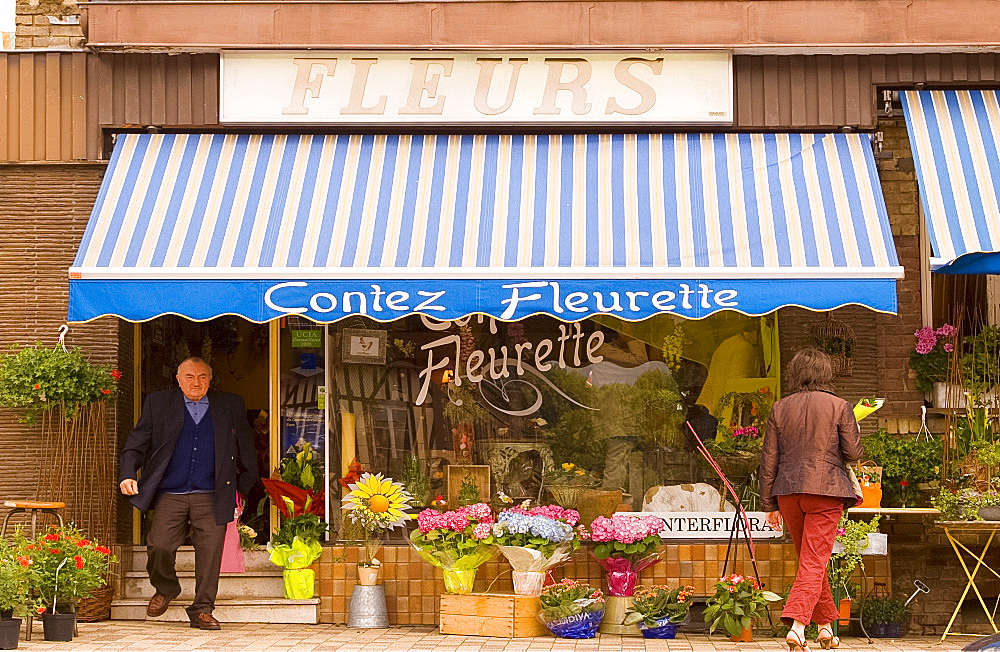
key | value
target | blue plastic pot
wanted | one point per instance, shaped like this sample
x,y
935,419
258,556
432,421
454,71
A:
x,y
662,629
581,625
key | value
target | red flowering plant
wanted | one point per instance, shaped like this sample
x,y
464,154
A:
x,y
738,603
35,379
64,566
15,593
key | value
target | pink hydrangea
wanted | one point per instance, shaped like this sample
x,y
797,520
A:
x,y
949,347
482,531
431,519
480,512
625,528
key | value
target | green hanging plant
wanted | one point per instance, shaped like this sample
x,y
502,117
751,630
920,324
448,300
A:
x,y
34,379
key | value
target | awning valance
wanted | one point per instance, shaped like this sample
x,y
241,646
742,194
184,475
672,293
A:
x,y
955,137
507,225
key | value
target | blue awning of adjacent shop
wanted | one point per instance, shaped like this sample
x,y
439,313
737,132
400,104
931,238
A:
x,y
631,225
955,137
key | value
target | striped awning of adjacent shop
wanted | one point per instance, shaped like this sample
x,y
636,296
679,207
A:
x,y
327,226
955,137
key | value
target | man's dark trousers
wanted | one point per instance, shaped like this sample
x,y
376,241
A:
x,y
167,533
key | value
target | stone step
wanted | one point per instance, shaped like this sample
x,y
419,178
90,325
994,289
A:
x,y
252,584
253,560
243,610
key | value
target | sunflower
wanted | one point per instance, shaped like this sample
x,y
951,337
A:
x,y
379,499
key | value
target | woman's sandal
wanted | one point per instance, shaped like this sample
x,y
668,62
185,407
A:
x,y
796,642
830,642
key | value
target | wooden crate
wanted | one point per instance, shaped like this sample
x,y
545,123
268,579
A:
x,y
491,614
479,473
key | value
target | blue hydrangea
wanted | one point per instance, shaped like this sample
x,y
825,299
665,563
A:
x,y
537,526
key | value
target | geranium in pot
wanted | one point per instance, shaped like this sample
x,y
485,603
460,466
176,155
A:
x,y
64,567
457,542
14,594
375,504
657,611
294,547
571,609
534,540
738,603
625,546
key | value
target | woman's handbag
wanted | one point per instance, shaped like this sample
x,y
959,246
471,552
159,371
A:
x,y
869,477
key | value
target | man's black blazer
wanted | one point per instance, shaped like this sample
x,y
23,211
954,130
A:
x,y
150,446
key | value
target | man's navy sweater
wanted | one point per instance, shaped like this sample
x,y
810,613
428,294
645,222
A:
x,y
192,466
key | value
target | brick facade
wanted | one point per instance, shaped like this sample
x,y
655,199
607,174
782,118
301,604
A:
x,y
42,219
47,24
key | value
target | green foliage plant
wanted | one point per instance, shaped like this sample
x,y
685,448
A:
x,y
903,459
468,491
964,504
886,610
416,480
304,470
853,538
569,597
34,379
980,364
14,587
653,604
738,603
307,527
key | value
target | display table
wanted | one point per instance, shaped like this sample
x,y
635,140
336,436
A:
x,y
953,529
892,511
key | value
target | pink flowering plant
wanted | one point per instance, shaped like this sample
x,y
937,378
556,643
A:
x,y
738,603
656,605
626,545
459,540
931,353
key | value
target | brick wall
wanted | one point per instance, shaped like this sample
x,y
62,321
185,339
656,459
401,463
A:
x,y
47,24
43,212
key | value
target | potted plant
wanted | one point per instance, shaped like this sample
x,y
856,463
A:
x,y
657,611
980,363
14,593
851,543
376,505
737,449
456,541
565,482
416,481
884,616
534,540
930,357
294,547
296,485
63,567
738,603
625,546
964,504
571,609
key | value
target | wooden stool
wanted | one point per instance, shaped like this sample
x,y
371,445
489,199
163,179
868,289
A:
x,y
32,506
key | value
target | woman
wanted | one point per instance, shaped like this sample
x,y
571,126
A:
x,y
803,481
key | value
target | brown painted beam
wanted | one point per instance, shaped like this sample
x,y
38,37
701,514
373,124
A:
x,y
778,25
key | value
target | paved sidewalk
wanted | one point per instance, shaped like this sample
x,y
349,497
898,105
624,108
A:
x,y
126,635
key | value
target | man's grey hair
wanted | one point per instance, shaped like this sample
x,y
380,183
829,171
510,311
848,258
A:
x,y
195,359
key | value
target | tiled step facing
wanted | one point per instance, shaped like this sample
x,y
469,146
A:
x,y
254,596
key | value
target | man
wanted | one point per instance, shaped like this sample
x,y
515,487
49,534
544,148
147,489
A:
x,y
195,450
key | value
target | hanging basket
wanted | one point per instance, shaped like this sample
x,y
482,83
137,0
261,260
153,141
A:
x,y
97,606
837,340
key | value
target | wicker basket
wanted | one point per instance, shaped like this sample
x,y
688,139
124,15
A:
x,y
97,606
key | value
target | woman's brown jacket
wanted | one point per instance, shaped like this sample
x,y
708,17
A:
x,y
809,436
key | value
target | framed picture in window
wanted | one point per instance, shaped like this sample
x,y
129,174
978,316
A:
x,y
364,346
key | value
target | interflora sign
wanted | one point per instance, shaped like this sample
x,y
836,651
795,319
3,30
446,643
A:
x,y
477,87
710,525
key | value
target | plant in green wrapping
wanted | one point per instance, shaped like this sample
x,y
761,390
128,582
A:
x,y
307,527
884,610
455,541
652,604
36,379
853,538
570,597
303,470
738,603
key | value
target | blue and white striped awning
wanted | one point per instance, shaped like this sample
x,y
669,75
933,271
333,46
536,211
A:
x,y
955,137
508,225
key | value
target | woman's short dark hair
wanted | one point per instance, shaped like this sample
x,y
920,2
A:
x,y
810,370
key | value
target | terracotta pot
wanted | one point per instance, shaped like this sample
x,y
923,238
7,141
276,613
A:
x,y
845,612
367,575
746,636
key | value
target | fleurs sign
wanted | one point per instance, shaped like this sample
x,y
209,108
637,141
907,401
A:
x,y
477,87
